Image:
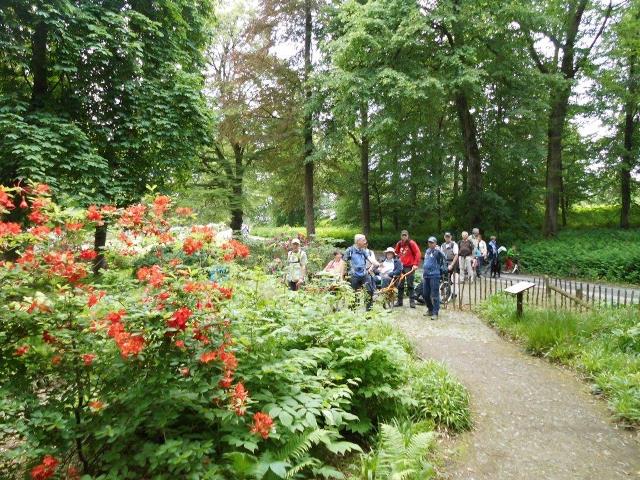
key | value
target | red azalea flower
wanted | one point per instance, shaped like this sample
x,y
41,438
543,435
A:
x,y
160,205
21,350
115,317
88,254
73,226
41,189
179,318
95,297
180,343
233,249
96,405
88,358
133,216
48,338
184,371
46,469
153,275
9,228
94,215
184,211
206,233
129,345
239,399
56,359
37,217
207,357
40,231
262,424
192,245
226,292
6,201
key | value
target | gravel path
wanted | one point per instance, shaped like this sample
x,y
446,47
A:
x,y
533,420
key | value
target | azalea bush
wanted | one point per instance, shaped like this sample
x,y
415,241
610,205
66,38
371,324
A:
x,y
181,360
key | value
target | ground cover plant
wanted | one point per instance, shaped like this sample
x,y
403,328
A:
x,y
151,369
603,345
607,254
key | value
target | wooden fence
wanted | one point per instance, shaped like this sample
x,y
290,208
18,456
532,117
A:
x,y
553,293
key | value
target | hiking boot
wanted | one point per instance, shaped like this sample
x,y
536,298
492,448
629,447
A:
x,y
398,303
434,317
412,303
428,314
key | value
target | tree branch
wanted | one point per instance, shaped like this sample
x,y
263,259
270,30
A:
x,y
586,54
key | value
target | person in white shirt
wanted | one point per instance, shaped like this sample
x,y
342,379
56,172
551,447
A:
x,y
296,265
450,250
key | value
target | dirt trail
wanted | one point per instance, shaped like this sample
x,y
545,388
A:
x,y
532,420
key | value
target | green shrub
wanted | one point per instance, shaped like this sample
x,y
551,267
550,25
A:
x,y
441,398
612,255
604,345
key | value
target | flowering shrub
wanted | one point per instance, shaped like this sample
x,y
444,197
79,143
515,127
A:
x,y
153,370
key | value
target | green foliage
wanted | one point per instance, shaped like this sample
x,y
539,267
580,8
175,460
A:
x,y
401,454
612,255
441,398
603,344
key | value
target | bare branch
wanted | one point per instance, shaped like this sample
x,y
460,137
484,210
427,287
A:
x,y
586,54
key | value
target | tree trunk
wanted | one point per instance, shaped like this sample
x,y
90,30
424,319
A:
x,y
627,157
564,202
364,171
472,158
456,176
237,189
309,214
557,117
39,66
99,242
378,206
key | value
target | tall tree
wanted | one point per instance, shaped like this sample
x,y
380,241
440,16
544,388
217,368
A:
x,y
567,33
309,211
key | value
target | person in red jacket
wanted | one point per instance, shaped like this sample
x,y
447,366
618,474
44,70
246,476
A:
x,y
409,254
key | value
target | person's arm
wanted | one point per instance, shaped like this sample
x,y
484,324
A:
x,y
373,260
343,269
416,254
397,270
303,266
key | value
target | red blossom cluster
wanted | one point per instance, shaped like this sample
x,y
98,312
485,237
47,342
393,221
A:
x,y
161,204
63,264
88,254
129,344
192,245
224,291
46,469
93,215
21,350
6,202
95,297
184,211
234,249
239,399
133,216
179,319
207,234
9,228
262,424
152,275
88,359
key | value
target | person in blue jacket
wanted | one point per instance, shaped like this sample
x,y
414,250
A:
x,y
362,263
434,260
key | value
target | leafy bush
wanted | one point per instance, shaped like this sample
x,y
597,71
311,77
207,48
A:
x,y
154,371
612,255
604,345
441,398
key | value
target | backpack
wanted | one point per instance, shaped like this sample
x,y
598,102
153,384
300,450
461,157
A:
x,y
358,269
448,251
444,268
465,248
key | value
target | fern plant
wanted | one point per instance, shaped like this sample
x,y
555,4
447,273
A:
x,y
402,454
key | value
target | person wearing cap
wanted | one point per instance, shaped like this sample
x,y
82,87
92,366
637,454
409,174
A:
x,y
361,264
409,253
450,250
390,267
296,265
434,262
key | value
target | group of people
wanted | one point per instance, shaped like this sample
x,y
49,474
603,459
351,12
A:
x,y
465,260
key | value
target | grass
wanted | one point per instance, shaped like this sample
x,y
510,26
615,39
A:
x,y
603,345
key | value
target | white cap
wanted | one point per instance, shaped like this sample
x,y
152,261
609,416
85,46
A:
x,y
296,240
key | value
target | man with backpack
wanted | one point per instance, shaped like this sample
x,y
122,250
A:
x,y
450,250
465,257
434,265
361,265
409,254
296,266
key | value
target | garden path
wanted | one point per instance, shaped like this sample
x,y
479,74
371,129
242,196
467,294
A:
x,y
533,420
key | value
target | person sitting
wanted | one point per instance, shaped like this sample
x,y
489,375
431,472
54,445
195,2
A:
x,y
390,268
337,266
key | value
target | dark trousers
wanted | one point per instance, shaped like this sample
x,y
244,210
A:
x,y
409,281
293,286
357,283
431,293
